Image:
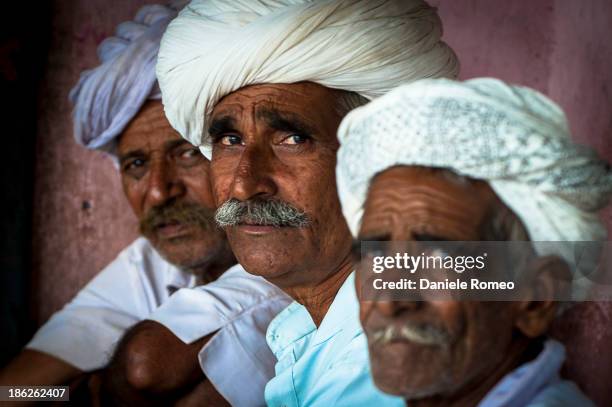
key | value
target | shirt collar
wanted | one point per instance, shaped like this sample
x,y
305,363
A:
x,y
294,322
343,313
177,279
289,326
520,386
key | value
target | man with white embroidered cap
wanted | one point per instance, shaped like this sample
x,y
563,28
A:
x,y
261,87
471,161
165,179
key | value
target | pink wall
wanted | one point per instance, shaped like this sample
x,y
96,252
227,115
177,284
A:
x,y
558,47
561,48
81,217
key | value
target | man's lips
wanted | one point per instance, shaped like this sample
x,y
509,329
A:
x,y
172,230
258,230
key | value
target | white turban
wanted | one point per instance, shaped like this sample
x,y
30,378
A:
x,y
215,47
512,137
108,97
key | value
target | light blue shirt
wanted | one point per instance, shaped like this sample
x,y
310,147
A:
x,y
537,384
328,366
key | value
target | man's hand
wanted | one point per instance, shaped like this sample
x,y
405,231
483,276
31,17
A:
x,y
152,367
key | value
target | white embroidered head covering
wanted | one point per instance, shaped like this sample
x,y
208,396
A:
x,y
215,47
107,97
513,137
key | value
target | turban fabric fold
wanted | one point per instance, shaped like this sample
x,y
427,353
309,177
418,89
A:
x,y
215,47
512,137
107,98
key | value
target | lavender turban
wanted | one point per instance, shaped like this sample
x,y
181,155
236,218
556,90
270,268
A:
x,y
107,97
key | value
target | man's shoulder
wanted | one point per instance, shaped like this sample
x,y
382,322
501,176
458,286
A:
x,y
235,292
137,276
234,297
236,281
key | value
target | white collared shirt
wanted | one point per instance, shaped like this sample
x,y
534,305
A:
x,y
237,306
84,333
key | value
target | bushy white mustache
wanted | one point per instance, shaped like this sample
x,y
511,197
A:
x,y
260,212
422,335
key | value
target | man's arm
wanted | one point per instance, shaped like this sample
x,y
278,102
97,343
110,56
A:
x,y
31,367
151,366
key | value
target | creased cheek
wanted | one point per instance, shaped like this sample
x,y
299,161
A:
x,y
136,200
224,175
220,188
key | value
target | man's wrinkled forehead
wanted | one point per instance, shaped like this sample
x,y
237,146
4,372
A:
x,y
149,117
427,198
148,128
306,103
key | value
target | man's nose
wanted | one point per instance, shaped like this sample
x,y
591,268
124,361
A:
x,y
164,184
254,175
391,308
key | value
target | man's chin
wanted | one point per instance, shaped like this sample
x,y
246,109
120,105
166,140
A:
x,y
183,251
267,261
390,369
167,245
402,383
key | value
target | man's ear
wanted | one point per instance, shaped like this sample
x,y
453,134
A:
x,y
551,277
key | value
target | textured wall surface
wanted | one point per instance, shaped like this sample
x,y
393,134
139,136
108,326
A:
x,y
81,217
560,47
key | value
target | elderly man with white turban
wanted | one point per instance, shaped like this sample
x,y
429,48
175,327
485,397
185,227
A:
x,y
261,86
165,179
471,161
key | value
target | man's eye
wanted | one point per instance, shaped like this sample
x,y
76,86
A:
x,y
229,140
135,168
294,139
190,153
133,164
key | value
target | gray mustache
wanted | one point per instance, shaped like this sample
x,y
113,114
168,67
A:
x,y
176,212
260,212
421,334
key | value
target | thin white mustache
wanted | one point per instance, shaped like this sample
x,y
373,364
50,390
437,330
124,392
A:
x,y
428,335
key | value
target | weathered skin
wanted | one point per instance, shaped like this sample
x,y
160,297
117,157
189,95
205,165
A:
x,y
279,142
483,340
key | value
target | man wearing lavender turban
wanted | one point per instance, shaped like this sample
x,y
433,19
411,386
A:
x,y
478,160
260,86
165,179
